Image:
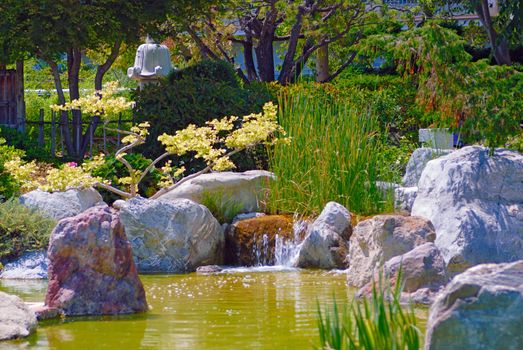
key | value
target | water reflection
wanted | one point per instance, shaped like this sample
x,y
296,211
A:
x,y
240,309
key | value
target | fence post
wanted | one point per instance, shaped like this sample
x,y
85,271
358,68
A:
x,y
105,139
53,134
119,126
91,127
41,129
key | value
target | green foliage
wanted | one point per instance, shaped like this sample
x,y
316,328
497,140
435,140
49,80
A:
x,y
8,185
480,101
395,159
333,156
375,324
218,71
23,141
22,229
198,94
222,205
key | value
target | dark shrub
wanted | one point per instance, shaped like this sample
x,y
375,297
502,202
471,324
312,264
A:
x,y
195,95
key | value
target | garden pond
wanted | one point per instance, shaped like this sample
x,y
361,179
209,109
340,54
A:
x,y
242,308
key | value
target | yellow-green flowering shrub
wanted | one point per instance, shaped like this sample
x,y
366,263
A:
x,y
214,143
68,176
102,103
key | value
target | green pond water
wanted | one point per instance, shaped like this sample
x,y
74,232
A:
x,y
239,309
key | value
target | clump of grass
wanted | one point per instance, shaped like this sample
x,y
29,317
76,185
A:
x,y
376,324
22,229
334,155
221,204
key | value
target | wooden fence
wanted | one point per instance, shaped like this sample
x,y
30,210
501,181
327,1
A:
x,y
8,91
51,138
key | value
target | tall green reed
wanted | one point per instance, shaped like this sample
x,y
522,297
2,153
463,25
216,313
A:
x,y
334,155
378,323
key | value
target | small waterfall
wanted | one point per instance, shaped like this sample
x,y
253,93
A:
x,y
261,253
281,251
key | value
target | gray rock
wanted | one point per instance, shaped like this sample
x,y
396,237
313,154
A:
x,y
480,309
423,274
381,238
326,243
475,202
417,162
245,190
172,236
16,320
422,267
60,205
404,198
31,265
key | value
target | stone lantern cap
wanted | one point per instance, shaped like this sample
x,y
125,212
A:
x,y
152,61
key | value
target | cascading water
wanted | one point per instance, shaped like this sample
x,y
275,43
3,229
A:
x,y
285,250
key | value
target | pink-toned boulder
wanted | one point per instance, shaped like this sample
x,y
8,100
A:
x,y
91,267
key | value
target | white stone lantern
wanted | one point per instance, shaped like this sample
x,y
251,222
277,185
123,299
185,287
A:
x,y
152,62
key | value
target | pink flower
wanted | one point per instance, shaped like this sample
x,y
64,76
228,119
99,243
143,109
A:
x,y
72,164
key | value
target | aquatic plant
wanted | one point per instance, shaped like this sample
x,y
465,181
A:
x,y
334,156
378,323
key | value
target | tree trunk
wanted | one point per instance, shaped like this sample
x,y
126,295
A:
x,y
249,59
500,48
74,60
103,68
288,61
322,64
265,56
64,118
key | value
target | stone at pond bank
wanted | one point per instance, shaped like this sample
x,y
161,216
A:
x,y
475,202
480,309
60,205
16,320
326,244
208,269
91,267
44,312
423,273
245,190
252,242
381,238
31,265
172,236
417,162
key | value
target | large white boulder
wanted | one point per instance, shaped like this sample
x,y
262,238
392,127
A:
x,y
60,205
381,238
16,320
475,201
244,190
172,236
480,309
326,243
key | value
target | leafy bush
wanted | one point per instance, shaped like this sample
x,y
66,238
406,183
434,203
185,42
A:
x,y
217,71
23,141
194,95
22,229
375,324
8,184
